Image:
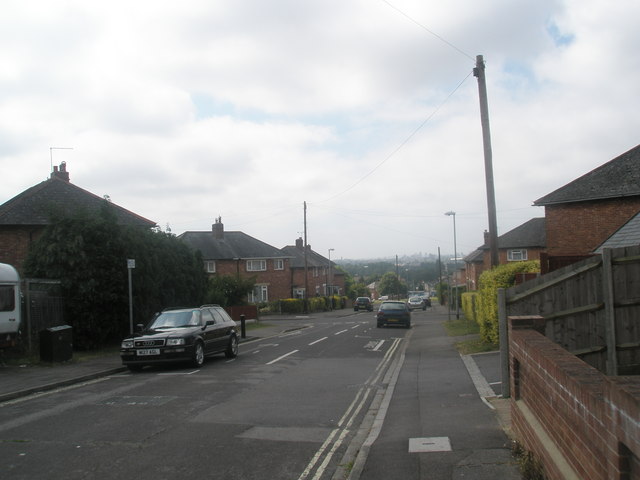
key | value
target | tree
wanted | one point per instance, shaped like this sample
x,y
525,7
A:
x,y
88,255
390,285
229,290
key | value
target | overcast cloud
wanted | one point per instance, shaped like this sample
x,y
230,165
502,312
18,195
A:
x,y
367,110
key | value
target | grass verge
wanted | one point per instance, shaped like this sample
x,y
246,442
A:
x,y
474,344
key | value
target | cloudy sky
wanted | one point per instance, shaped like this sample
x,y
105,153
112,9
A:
x,y
365,109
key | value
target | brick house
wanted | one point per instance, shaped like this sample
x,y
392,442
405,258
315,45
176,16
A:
x,y
525,242
627,235
25,216
236,253
322,276
584,213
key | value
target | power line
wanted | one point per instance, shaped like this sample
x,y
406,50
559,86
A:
x,y
404,142
442,39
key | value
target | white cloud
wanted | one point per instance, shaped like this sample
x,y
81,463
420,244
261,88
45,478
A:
x,y
186,111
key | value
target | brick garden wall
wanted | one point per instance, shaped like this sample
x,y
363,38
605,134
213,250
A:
x,y
578,422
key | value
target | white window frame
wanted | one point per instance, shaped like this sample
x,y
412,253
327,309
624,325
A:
x,y
517,255
210,266
256,265
278,264
259,294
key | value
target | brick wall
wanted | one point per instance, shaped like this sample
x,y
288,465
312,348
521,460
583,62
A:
x,y
277,281
579,228
15,243
578,422
532,254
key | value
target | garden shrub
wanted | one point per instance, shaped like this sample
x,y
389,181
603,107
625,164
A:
x,y
502,276
469,305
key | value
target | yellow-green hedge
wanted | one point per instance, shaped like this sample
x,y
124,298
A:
x,y
503,276
470,305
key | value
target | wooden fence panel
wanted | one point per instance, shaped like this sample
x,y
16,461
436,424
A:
x,y
588,306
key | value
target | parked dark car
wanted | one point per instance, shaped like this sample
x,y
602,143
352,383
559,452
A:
x,y
363,303
393,313
415,303
182,335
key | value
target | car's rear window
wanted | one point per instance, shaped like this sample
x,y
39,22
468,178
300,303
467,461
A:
x,y
393,306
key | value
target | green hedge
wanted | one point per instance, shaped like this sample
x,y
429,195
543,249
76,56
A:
x,y
503,276
470,305
296,305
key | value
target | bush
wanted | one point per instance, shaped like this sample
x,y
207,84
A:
x,y
503,276
470,305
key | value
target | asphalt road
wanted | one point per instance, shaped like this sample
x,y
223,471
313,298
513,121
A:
x,y
287,407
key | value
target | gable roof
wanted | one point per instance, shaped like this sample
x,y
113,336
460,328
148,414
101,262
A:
x,y
477,256
530,234
619,177
627,235
314,259
232,245
35,205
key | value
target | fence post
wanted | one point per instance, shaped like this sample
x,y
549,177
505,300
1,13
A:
x,y
503,331
609,311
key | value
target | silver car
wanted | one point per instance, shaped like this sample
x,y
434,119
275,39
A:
x,y
415,303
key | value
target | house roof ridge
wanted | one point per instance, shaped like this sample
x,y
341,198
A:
x,y
619,177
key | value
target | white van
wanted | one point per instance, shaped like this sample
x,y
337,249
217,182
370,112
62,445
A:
x,y
9,305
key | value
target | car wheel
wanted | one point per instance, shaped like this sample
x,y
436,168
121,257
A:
x,y
134,368
232,348
198,355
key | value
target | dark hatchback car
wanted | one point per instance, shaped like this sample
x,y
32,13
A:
x,y
363,303
393,313
182,335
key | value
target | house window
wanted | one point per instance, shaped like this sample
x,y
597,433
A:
x,y
516,255
278,264
316,273
256,265
298,293
259,294
210,266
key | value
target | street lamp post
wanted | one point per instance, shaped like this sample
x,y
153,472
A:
x,y
455,261
329,281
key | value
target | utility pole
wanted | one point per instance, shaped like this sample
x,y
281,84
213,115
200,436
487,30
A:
x,y
478,72
306,264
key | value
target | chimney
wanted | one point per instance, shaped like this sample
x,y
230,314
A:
x,y
486,238
61,172
299,244
218,229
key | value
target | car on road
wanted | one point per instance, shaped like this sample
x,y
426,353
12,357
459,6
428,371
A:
x,y
393,313
181,335
415,303
363,303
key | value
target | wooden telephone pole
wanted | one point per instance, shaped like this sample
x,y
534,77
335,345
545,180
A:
x,y
306,264
478,72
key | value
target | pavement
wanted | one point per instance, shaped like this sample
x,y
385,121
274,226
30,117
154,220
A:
x,y
439,417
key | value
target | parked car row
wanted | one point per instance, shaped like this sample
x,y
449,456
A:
x,y
393,312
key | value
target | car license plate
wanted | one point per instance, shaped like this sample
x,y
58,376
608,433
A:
x,y
148,351
393,319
